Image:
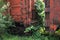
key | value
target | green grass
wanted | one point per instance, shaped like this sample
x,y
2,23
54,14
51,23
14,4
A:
x,y
16,37
35,36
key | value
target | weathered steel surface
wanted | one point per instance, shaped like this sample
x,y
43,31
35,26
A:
x,y
47,12
21,10
52,13
55,11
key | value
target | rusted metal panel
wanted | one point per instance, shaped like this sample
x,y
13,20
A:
x,y
54,14
21,10
55,11
47,12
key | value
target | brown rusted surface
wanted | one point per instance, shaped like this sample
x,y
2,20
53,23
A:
x,y
21,10
47,9
55,11
52,13
47,12
54,17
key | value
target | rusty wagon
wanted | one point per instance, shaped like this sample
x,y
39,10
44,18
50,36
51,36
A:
x,y
52,13
21,11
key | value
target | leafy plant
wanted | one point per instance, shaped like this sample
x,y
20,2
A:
x,y
5,20
39,7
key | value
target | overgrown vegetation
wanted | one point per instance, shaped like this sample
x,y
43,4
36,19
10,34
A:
x,y
39,32
39,7
38,29
5,20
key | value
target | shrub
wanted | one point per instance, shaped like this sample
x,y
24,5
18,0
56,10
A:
x,y
5,20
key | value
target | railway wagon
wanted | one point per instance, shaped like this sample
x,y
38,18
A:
x,y
52,11
22,11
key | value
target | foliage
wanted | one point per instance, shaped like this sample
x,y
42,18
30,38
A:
x,y
35,36
42,30
38,29
1,3
57,32
39,7
5,20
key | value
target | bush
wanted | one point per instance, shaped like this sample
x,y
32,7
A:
x,y
5,20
